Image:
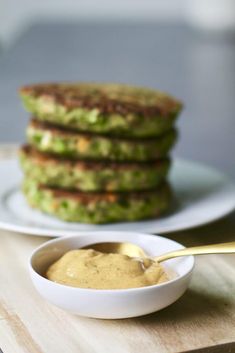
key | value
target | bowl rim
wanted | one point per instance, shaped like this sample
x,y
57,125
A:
x,y
107,291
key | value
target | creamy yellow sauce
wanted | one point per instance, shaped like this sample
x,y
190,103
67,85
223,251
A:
x,y
93,269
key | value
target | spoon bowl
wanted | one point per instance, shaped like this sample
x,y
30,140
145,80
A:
x,y
130,249
116,303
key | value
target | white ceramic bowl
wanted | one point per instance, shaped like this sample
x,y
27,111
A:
x,y
111,304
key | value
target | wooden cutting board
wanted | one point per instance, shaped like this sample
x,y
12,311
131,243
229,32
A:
x,y
203,317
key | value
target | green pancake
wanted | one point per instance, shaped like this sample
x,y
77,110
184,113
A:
x,y
89,175
64,143
112,109
75,206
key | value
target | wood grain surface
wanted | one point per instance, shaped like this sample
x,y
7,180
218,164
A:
x,y
203,318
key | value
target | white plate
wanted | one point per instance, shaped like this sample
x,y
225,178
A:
x,y
203,195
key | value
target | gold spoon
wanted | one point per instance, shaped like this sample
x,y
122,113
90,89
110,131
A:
x,y
134,250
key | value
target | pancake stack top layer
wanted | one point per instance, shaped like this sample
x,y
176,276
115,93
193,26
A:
x,y
103,108
98,153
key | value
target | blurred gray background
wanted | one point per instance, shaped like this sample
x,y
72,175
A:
x,y
186,48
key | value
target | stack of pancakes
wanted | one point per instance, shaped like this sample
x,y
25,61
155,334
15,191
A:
x,y
98,153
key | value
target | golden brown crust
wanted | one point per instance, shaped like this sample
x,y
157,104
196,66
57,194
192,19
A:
x,y
108,98
43,158
93,197
67,132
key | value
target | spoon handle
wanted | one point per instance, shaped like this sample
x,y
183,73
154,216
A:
x,y
223,248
